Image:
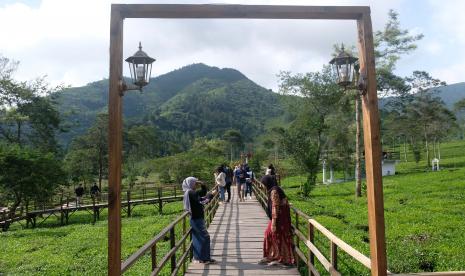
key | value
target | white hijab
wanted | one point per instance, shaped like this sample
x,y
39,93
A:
x,y
188,185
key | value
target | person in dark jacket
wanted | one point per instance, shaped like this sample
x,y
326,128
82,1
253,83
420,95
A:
x,y
79,191
229,178
193,203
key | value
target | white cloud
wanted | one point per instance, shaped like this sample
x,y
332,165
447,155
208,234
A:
x,y
68,40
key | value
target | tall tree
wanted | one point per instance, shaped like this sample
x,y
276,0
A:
x,y
91,150
391,43
304,140
28,174
459,109
234,138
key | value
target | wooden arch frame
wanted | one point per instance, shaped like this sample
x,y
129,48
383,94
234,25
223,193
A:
x,y
371,128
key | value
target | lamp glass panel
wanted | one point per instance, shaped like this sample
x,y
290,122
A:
x,y
140,73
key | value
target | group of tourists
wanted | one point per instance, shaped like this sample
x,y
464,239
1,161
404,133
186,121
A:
x,y
243,177
79,191
278,247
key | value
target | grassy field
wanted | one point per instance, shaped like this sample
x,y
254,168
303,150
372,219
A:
x,y
425,222
81,248
424,212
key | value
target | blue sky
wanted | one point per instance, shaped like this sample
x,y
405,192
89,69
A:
x,y
67,40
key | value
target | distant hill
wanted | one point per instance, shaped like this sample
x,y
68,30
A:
x,y
195,100
450,94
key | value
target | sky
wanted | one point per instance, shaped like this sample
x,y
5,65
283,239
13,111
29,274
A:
x,y
68,40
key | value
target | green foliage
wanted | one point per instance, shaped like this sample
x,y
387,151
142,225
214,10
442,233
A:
x,y
424,213
392,42
28,114
87,157
200,161
194,101
28,174
81,247
304,139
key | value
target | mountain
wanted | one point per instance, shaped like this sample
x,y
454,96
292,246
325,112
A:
x,y
450,94
195,100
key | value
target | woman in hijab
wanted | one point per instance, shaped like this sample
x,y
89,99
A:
x,y
193,203
278,247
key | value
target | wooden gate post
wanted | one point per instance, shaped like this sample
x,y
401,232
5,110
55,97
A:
x,y
129,202
371,132
160,202
115,142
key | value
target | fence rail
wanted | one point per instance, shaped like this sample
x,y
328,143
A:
x,y
63,206
336,244
175,245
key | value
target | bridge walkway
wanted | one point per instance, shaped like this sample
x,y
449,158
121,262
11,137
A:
x,y
237,240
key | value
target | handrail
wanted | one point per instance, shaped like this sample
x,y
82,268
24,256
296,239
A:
x,y
342,245
330,266
335,242
151,245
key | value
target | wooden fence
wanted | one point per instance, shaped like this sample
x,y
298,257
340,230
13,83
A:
x,y
63,206
307,240
180,246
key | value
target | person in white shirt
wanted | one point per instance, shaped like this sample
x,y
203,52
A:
x,y
220,180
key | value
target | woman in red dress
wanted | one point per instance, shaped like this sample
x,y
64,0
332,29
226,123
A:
x,y
278,247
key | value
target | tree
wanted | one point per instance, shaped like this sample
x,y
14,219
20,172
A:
x,y
459,108
426,109
91,151
28,174
27,110
143,142
390,44
304,139
234,139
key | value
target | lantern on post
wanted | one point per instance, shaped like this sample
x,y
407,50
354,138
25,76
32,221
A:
x,y
140,66
347,69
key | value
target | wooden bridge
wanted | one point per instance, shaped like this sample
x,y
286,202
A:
x,y
65,207
237,231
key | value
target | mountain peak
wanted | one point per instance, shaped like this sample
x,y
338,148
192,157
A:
x,y
201,70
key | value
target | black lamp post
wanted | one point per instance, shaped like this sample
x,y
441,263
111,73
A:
x,y
347,69
140,66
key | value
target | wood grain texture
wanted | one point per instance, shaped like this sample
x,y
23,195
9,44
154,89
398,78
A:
x,y
115,144
371,131
237,233
240,11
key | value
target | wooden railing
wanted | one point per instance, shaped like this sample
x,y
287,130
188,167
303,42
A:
x,y
335,243
308,240
175,245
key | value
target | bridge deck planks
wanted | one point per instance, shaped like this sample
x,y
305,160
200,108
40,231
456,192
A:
x,y
237,240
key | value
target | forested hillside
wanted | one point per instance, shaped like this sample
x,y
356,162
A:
x,y
196,100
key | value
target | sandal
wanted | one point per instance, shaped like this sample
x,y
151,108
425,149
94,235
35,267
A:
x,y
211,261
263,261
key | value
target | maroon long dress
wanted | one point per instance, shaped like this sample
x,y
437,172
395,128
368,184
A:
x,y
278,245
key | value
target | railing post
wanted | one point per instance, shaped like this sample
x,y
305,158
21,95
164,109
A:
x,y
129,202
297,240
311,256
183,243
333,247
160,203
153,254
94,209
172,245
62,214
67,209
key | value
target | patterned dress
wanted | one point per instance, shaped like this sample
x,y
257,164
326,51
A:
x,y
278,245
